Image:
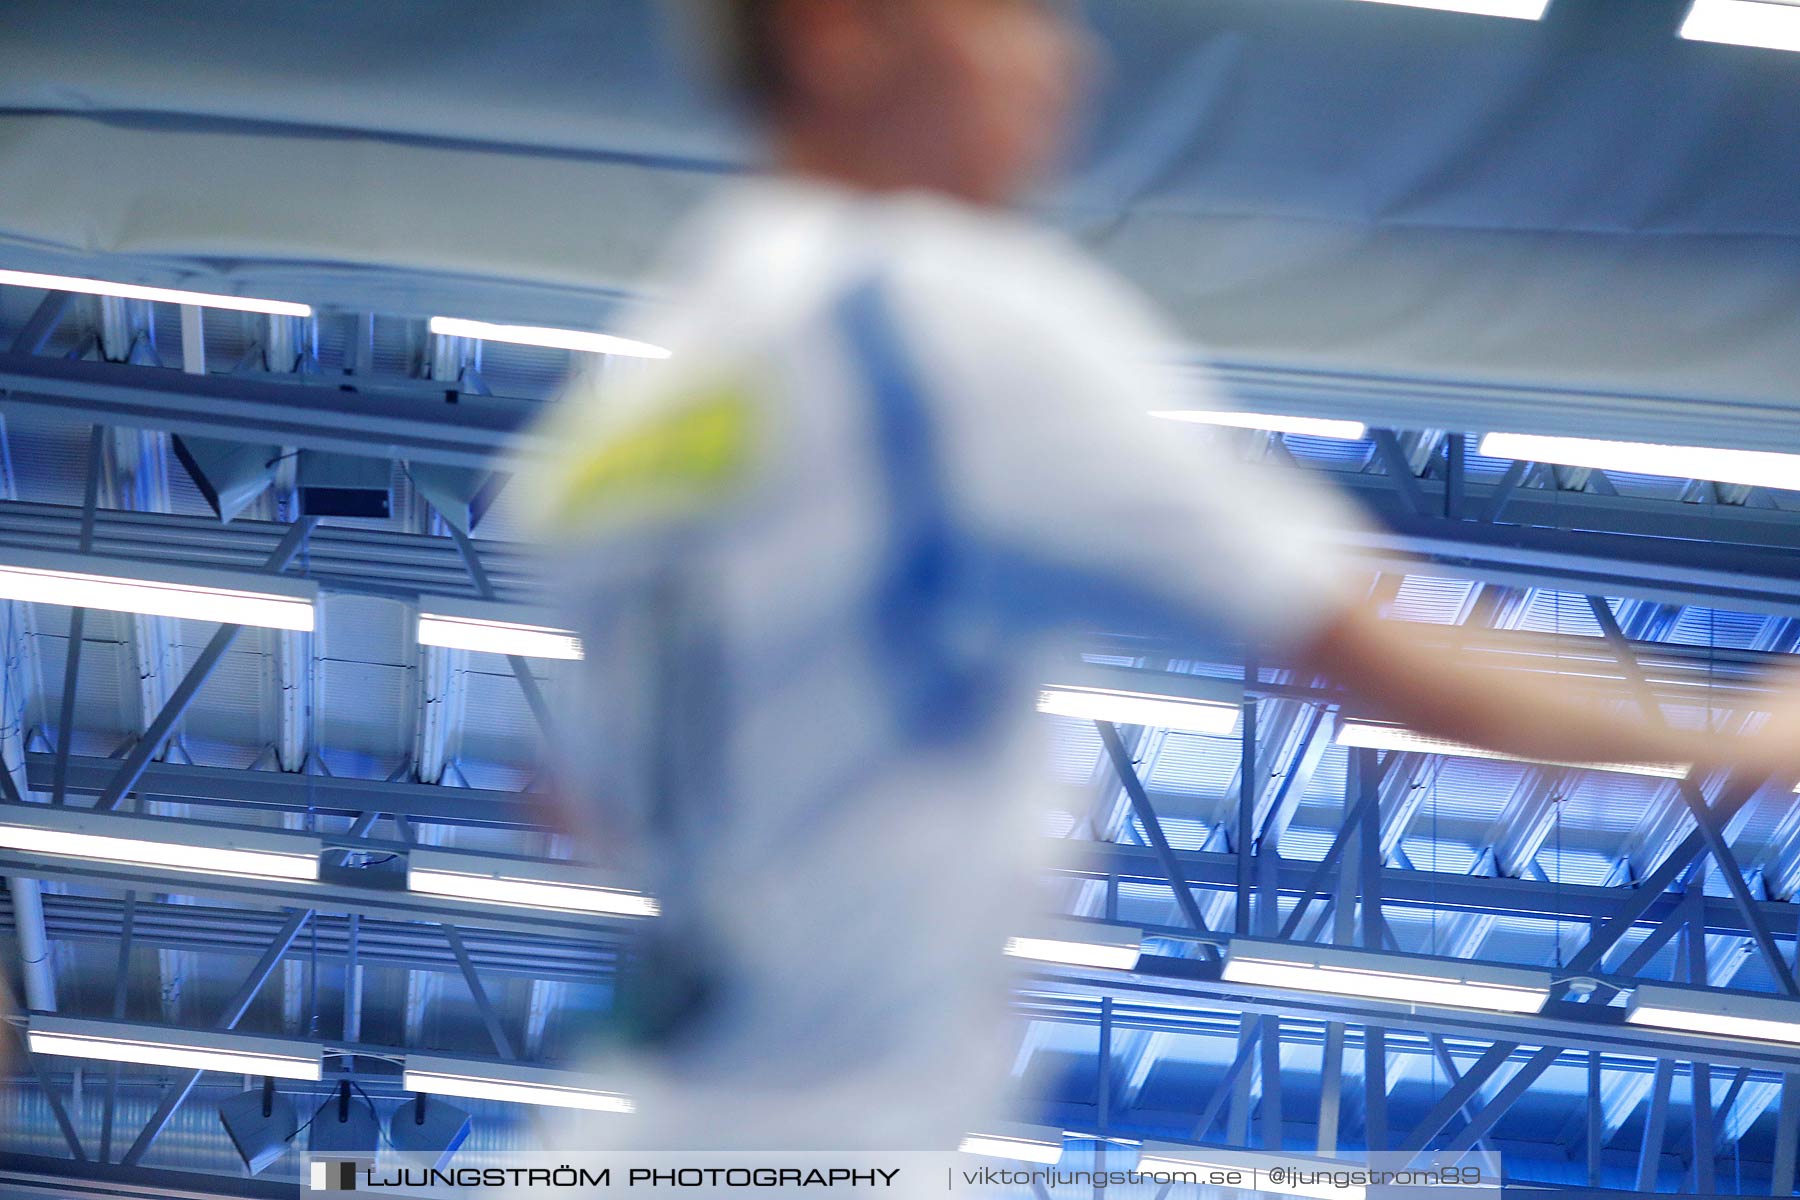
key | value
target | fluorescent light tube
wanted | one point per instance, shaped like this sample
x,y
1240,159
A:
x,y
1334,971
1772,26
1138,708
1297,1173
550,339
121,585
1320,427
1720,1014
1371,736
1757,468
557,887
196,1050
1016,1143
134,291
515,1085
476,625
1524,10
159,843
1080,944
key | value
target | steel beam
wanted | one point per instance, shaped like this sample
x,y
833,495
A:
x,y
1656,1122
1400,473
278,791
1744,578
58,1109
1375,1103
1178,990
1706,820
1466,1138
1700,1073
41,325
1248,1036
340,891
521,666
377,562
65,731
99,921
30,1177
121,994
1140,804
309,411
182,697
1646,905
1331,1086
1596,1120
1787,1137
1322,871
483,1005
1652,549
1248,794
1452,1102
19,663
234,1012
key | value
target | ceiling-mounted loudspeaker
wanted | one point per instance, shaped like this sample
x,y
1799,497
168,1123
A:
x,y
426,1126
345,1128
262,1125
344,485
462,495
230,475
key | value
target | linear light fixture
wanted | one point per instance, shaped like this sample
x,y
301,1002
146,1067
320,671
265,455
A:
x,y
1524,10
1017,1143
478,625
1335,971
158,843
547,337
1757,468
1371,735
1309,1177
1080,944
1138,708
159,590
1722,1014
516,1085
1319,427
1770,24
135,291
194,1050
558,887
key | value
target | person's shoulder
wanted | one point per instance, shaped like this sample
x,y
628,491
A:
x,y
994,274
625,453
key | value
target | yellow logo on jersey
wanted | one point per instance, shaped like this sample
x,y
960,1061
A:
x,y
683,453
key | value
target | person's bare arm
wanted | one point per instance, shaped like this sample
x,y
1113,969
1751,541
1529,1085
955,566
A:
x,y
1437,691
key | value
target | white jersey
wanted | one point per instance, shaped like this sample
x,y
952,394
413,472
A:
x,y
899,448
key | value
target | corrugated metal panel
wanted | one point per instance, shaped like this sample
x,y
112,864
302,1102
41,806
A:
x,y
1572,866
1329,452
1607,804
1438,854
368,630
1431,598
367,720
1717,627
1074,749
1565,613
1183,833
238,703
1191,764
1307,842
1467,792
498,726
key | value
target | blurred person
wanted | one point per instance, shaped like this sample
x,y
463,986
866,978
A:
x,y
900,452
